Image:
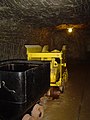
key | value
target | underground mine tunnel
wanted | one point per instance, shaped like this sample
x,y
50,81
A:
x,y
54,24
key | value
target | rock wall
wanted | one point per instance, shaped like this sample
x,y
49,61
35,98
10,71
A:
x,y
14,36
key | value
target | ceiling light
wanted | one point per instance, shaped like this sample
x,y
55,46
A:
x,y
70,30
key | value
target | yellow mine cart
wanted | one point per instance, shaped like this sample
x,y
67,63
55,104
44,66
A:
x,y
58,69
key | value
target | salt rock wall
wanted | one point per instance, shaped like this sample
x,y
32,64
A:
x,y
14,36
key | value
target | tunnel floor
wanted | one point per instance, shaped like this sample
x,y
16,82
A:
x,y
74,103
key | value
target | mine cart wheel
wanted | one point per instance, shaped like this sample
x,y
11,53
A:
x,y
37,112
26,117
54,92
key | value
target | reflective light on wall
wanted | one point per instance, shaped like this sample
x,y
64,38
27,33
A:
x,y
70,30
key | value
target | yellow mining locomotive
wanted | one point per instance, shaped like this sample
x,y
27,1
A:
x,y
58,68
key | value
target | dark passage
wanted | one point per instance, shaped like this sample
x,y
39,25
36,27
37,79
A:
x,y
74,104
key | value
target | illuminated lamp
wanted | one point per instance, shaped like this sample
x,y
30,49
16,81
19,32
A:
x,y
70,30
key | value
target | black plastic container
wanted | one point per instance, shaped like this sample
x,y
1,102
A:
x,y
22,83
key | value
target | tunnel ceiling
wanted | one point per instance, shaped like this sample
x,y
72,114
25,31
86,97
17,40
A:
x,y
45,12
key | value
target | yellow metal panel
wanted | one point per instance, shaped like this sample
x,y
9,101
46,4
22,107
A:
x,y
54,66
33,48
45,55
